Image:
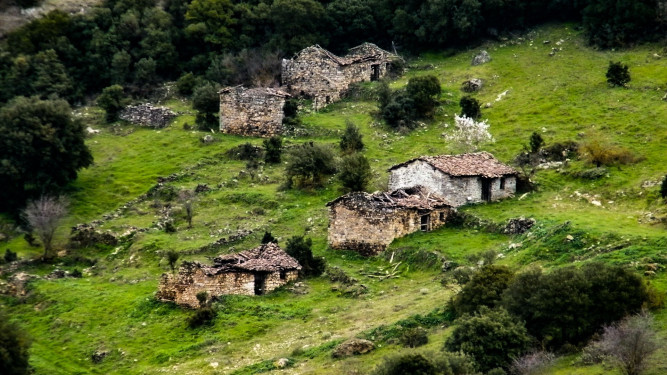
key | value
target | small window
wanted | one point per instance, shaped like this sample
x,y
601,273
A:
x,y
328,99
283,275
442,216
502,183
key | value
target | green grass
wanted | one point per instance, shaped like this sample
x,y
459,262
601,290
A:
x,y
564,97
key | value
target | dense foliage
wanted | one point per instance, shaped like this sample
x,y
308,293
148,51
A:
x,y
617,74
351,140
485,288
309,163
300,248
13,348
41,148
355,172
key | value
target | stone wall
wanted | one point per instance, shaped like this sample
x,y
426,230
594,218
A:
x,y
369,232
252,112
191,279
147,115
317,74
457,190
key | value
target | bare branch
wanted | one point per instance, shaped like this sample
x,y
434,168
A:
x,y
43,215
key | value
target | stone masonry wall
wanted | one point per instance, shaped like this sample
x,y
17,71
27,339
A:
x,y
251,112
147,115
457,190
370,232
183,288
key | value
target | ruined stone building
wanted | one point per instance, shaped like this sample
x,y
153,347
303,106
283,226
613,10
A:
x,y
252,272
368,223
461,179
147,115
252,112
322,76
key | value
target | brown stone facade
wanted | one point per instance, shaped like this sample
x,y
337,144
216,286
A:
x,y
368,223
254,112
253,272
320,75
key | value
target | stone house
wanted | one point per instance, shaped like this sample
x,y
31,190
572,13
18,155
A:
x,y
320,75
252,112
461,179
368,223
252,272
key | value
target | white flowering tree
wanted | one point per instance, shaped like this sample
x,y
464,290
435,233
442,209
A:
x,y
469,134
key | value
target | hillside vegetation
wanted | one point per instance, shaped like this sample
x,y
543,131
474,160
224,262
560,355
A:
x,y
618,218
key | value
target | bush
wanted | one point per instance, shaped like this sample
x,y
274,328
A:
x,y
14,347
186,84
601,153
309,163
273,149
351,139
76,273
206,100
617,74
112,100
532,363
414,337
202,297
290,112
424,92
268,237
10,256
202,317
414,364
485,288
355,172
470,107
569,304
458,363
469,134
245,151
663,188
536,142
172,258
491,337
299,248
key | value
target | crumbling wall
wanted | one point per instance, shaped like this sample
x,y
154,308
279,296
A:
x,y
192,279
147,115
252,112
371,231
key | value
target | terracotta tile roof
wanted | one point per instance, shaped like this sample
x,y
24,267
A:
x,y
417,197
474,164
265,258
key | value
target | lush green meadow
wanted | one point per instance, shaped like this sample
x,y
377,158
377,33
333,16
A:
x,y
562,97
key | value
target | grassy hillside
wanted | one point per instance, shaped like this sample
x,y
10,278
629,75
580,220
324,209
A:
x,y
562,97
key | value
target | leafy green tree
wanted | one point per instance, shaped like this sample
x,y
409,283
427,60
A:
x,y
120,66
145,71
51,79
273,148
617,74
172,258
112,100
536,142
470,107
206,101
186,84
41,150
211,21
355,172
309,163
485,288
299,248
424,92
14,347
491,337
611,23
399,112
351,140
409,363
297,24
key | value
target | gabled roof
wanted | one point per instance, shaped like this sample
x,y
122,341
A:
x,y
255,91
363,52
417,197
265,258
475,164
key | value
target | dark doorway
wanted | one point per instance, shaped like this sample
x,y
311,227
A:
x,y
486,189
260,283
375,72
328,99
424,222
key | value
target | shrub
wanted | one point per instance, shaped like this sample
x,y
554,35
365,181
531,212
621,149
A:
x,y
414,337
399,111
273,149
202,297
561,150
491,337
351,139
601,153
454,364
617,74
663,188
245,151
202,317
299,248
469,134
532,363
470,107
536,142
309,163
268,237
206,100
186,84
76,273
414,364
485,288
14,347
10,256
112,100
172,258
424,92
290,112
355,172
497,371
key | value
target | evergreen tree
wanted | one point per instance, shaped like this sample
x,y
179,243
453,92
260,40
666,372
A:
x,y
355,172
351,141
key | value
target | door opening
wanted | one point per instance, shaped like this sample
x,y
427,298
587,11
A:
x,y
425,219
260,283
375,72
486,189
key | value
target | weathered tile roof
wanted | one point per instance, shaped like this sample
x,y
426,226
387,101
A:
x,y
256,91
265,258
417,197
474,164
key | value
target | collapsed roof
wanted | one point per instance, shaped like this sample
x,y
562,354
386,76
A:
x,y
265,258
417,197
